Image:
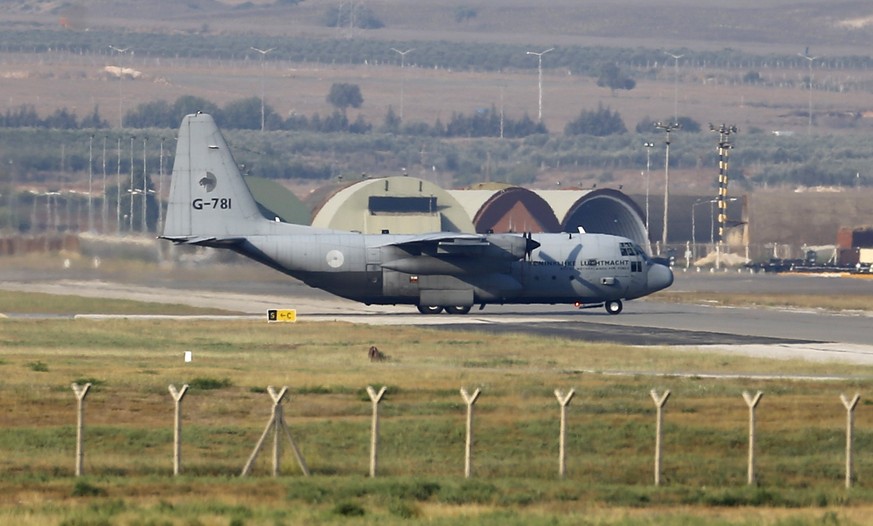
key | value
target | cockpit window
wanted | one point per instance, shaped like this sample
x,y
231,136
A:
x,y
640,252
627,249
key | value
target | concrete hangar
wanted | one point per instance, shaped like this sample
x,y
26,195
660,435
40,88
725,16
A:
x,y
408,205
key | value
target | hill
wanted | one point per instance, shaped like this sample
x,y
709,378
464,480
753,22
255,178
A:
x,y
760,26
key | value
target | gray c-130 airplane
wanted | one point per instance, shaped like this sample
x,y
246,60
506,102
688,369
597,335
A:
x,y
211,205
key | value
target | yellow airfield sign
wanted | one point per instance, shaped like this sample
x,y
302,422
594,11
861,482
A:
x,y
284,315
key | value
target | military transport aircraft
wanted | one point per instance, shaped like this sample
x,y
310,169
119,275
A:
x,y
210,205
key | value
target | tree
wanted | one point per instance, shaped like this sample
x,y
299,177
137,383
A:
x,y
612,77
93,120
360,125
244,114
155,114
62,119
392,121
688,124
21,117
599,123
188,104
343,95
646,125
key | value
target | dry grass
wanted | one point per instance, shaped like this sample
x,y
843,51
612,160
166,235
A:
x,y
128,413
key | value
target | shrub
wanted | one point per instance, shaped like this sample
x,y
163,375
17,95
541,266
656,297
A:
x,y
349,509
207,384
86,489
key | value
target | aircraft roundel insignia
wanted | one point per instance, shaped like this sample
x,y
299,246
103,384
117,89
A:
x,y
335,259
208,182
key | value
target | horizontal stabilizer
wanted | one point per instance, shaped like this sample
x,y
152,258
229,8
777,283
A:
x,y
206,241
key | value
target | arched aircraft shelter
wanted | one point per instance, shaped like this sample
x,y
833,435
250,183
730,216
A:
x,y
603,211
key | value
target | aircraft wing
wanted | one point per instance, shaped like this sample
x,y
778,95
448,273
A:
x,y
443,243
499,246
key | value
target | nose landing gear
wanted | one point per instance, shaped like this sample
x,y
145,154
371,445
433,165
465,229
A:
x,y
613,307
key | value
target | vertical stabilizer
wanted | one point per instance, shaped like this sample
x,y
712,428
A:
x,y
208,196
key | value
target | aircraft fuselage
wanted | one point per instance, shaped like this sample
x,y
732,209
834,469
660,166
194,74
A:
x,y
378,269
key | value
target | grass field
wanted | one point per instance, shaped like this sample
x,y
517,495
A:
x,y
128,439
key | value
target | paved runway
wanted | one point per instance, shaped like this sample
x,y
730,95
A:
x,y
789,333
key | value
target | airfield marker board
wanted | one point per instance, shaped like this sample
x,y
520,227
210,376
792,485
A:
x,y
282,315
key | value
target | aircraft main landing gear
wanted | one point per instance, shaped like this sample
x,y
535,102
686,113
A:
x,y
613,307
450,309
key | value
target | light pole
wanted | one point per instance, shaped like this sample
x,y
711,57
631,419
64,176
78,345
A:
x,y
118,190
724,146
104,210
130,188
402,75
90,179
648,145
161,189
145,180
14,223
52,210
540,77
675,85
693,229
809,109
669,127
263,53
120,51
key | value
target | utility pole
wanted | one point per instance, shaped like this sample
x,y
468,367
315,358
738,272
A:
x,y
263,53
675,85
668,128
540,76
648,145
809,59
120,51
402,75
90,180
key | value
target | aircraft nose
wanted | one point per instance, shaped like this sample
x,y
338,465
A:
x,y
659,277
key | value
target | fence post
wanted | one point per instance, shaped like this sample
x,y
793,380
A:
x,y
752,402
660,402
81,393
562,440
177,427
468,455
277,424
850,431
374,431
278,416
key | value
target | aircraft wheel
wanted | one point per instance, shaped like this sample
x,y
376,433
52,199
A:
x,y
613,307
430,309
458,309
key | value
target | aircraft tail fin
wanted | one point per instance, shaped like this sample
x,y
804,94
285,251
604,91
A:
x,y
208,196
